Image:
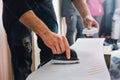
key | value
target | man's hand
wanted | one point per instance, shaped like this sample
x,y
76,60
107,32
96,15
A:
x,y
90,22
84,11
58,44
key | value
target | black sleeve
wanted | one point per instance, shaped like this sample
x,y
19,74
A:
x,y
17,7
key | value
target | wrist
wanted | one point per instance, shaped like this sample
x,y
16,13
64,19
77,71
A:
x,y
88,17
44,33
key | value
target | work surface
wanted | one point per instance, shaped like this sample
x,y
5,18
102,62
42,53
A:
x,y
92,65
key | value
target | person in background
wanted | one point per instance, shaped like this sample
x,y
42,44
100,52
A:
x,y
97,11
73,21
22,16
109,8
108,23
115,32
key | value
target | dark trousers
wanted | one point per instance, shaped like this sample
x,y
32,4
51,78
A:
x,y
74,23
106,24
20,42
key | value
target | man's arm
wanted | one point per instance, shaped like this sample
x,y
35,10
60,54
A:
x,y
83,9
81,6
22,11
58,44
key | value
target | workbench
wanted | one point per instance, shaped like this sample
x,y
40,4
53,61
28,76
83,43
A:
x,y
92,64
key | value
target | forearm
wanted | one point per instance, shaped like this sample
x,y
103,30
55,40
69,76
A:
x,y
30,20
82,8
57,43
84,11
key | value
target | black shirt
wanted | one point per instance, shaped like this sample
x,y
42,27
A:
x,y
13,9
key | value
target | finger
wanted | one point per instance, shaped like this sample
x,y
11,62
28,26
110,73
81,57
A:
x,y
96,24
54,50
57,47
89,24
62,46
85,23
67,48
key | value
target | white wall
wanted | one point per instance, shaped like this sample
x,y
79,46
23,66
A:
x,y
57,11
